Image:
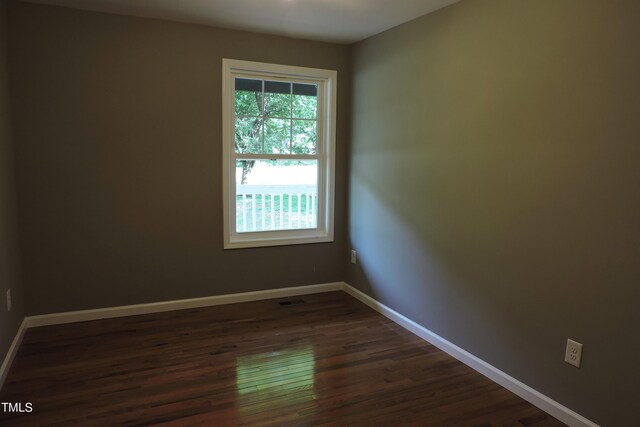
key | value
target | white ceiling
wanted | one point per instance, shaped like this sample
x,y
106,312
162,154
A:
x,y
340,21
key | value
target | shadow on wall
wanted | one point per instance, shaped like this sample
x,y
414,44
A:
x,y
411,267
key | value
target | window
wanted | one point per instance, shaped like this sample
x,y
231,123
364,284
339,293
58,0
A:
x,y
278,154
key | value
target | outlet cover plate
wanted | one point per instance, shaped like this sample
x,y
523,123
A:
x,y
573,353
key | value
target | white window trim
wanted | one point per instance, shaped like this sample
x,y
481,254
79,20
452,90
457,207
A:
x,y
327,80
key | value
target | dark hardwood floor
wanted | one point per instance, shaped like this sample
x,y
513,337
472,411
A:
x,y
328,361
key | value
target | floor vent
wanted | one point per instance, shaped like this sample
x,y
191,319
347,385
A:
x,y
291,302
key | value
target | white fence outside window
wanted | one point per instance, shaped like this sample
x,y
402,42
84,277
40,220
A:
x,y
276,207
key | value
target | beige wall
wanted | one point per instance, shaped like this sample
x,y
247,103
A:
x,y
9,262
494,188
117,124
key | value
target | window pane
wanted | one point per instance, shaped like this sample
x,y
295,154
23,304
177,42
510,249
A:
x,y
276,195
248,133
277,99
248,97
305,101
305,137
277,133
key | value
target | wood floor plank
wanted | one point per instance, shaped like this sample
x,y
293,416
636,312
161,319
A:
x,y
329,361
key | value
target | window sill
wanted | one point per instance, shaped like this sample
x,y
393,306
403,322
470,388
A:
x,y
258,240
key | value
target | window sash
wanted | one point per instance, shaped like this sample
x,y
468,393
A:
x,y
320,113
249,116
249,156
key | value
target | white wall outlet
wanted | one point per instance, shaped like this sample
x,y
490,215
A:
x,y
9,304
573,354
354,257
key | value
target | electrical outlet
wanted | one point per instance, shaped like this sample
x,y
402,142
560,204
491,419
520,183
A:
x,y
9,300
354,259
573,354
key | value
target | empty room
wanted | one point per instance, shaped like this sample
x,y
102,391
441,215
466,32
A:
x,y
319,213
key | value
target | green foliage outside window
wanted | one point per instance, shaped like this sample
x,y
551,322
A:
x,y
274,118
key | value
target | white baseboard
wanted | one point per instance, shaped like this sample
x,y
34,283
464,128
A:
x,y
11,354
532,396
156,307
